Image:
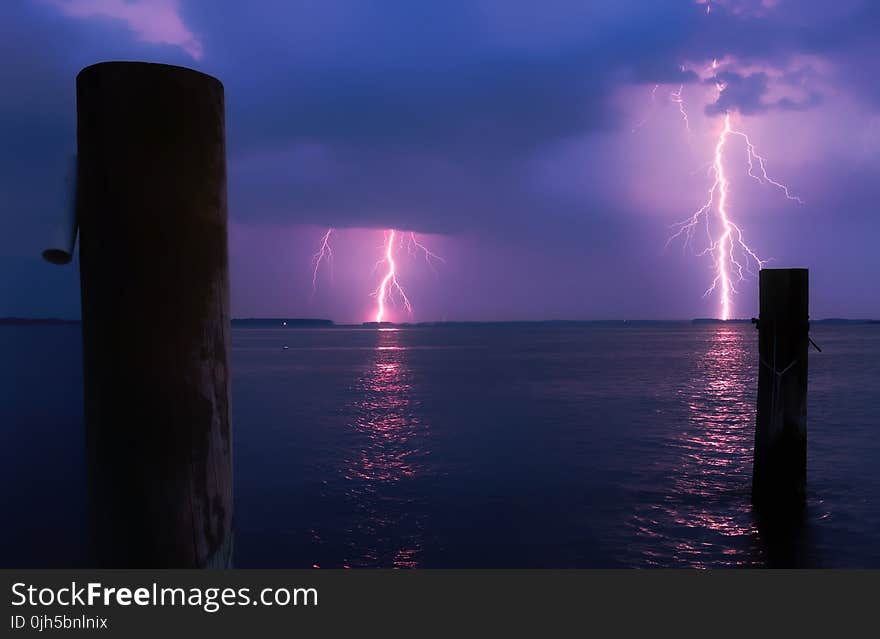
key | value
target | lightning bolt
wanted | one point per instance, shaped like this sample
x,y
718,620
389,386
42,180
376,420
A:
x,y
389,287
389,291
731,255
324,254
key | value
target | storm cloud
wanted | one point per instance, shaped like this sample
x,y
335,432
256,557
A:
x,y
491,118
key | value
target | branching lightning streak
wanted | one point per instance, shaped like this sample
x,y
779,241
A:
x,y
415,247
729,266
389,286
324,254
676,97
752,158
638,125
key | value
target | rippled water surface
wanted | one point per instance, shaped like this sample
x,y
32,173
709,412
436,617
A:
x,y
486,445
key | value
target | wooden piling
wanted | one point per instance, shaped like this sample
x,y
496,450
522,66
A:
x,y
155,314
780,462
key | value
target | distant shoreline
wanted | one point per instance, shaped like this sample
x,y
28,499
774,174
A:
x,y
36,321
281,322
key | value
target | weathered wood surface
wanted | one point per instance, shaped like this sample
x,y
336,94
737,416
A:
x,y
155,314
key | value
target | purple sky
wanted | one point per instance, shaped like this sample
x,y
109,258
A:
x,y
523,141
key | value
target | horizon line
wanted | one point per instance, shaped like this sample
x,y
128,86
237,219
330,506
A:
x,y
11,319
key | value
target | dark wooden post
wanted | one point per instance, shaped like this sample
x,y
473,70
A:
x,y
155,314
780,464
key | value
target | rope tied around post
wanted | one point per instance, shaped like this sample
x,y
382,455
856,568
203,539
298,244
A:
x,y
775,413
